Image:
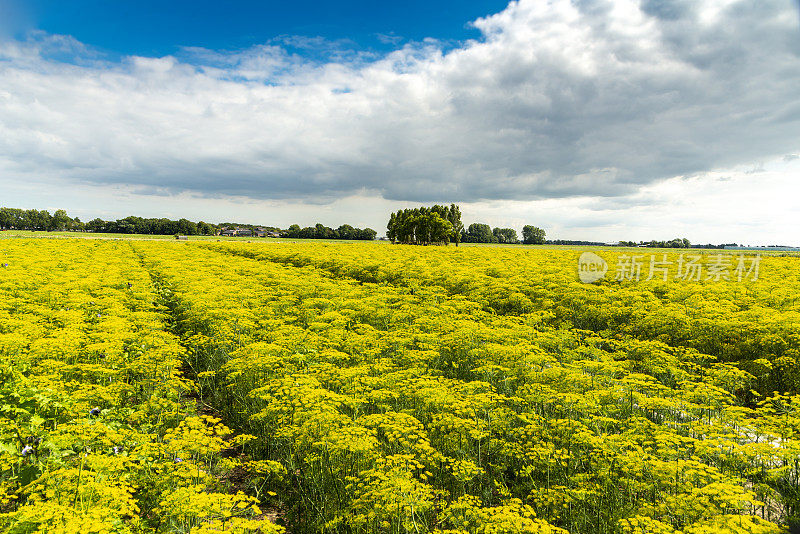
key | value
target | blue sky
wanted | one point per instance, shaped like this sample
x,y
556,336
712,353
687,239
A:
x,y
594,119
157,28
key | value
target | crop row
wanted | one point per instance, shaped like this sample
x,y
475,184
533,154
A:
x,y
98,430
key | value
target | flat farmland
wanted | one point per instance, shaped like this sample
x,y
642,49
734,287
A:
x,y
197,387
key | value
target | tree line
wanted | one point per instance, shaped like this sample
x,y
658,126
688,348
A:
x,y
139,225
434,225
320,231
42,220
482,233
19,219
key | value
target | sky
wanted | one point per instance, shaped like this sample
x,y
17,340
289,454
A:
x,y
601,120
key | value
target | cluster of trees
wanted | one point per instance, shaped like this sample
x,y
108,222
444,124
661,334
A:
x,y
426,226
139,225
320,231
482,233
442,224
19,219
533,235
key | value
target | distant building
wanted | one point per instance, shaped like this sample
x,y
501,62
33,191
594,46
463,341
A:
x,y
236,232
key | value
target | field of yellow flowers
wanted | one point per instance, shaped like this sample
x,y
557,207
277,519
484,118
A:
x,y
357,388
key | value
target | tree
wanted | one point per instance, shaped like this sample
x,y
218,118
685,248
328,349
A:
x,y
478,233
187,227
293,231
367,234
439,230
205,229
96,225
322,232
532,235
391,228
454,217
346,231
423,226
505,235
7,218
59,221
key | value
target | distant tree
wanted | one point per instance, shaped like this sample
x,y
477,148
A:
x,y
35,220
478,233
454,217
187,227
505,235
423,226
7,218
96,225
346,231
293,231
322,232
533,235
59,221
391,228
367,234
203,228
440,230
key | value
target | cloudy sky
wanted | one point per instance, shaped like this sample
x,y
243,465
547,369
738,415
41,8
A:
x,y
601,120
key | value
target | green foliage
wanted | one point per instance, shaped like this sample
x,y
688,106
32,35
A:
x,y
478,233
532,235
320,231
504,235
425,226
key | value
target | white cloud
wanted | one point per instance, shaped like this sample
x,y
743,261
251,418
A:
x,y
715,207
558,100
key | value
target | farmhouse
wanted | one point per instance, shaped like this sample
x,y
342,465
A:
x,y
236,232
